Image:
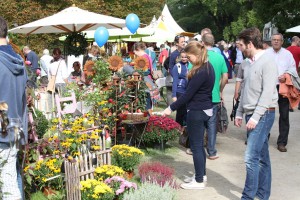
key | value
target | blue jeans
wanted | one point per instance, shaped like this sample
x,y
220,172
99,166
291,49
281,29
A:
x,y
212,132
257,159
196,122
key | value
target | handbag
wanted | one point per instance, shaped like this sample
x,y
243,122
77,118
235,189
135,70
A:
x,y
156,74
184,139
51,83
222,119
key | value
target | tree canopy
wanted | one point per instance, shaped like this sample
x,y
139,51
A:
x,y
227,18
19,12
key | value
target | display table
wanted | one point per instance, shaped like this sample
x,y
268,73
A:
x,y
138,129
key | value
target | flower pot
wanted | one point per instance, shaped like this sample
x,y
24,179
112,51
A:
x,y
129,174
47,191
158,145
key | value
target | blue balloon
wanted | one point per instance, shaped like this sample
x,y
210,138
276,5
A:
x,y
101,36
132,22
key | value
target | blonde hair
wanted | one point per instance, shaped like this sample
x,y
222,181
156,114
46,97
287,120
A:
x,y
196,49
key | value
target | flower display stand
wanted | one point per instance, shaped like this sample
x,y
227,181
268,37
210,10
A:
x,y
83,168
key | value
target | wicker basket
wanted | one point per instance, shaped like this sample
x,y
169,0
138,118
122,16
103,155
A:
x,y
135,116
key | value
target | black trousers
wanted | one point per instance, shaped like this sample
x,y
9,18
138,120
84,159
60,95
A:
x,y
181,112
284,122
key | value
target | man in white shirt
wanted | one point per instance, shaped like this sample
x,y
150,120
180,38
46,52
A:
x,y
285,61
45,65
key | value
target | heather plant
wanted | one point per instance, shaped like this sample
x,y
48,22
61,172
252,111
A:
x,y
152,191
156,172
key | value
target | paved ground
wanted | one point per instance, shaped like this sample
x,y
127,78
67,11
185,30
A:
x,y
226,175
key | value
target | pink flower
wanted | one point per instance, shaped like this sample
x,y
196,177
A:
x,y
27,62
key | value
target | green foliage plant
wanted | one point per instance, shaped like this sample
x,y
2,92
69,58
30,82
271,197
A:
x,y
41,122
151,191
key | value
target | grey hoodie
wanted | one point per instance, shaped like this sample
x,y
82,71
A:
x,y
13,78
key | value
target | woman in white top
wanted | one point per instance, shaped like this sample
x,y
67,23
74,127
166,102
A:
x,y
59,69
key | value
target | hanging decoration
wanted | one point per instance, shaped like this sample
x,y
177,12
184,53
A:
x,y
132,22
101,36
75,44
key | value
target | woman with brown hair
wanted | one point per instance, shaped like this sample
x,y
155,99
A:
x,y
198,98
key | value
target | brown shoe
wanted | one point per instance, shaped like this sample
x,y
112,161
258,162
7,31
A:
x,y
281,148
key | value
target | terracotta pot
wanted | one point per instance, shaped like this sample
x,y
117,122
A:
x,y
129,174
48,191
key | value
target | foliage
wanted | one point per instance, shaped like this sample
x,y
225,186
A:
x,y
107,171
46,173
227,18
160,129
41,122
156,172
75,44
21,12
126,157
152,191
102,72
92,189
38,196
120,186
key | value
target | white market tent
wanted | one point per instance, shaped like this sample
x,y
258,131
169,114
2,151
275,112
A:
x,y
72,19
166,28
295,29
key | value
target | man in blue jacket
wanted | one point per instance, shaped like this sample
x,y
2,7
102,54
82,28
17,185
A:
x,y
13,78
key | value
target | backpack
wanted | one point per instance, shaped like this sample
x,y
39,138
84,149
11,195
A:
x,y
166,63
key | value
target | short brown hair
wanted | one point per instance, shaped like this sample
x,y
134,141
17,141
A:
x,y
3,28
252,35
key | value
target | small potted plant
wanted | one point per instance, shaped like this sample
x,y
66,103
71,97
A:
x,y
160,130
92,189
126,157
107,171
120,186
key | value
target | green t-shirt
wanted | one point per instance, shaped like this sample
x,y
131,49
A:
x,y
219,65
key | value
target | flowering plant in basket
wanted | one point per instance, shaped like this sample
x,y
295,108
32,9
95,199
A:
x,y
120,185
106,171
126,157
161,128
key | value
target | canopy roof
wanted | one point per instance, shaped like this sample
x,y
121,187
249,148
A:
x,y
72,19
295,29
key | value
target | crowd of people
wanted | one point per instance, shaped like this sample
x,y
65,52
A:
x,y
199,70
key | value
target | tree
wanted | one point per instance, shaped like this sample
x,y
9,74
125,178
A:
x,y
19,12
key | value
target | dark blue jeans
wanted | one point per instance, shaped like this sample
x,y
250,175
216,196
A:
x,y
257,159
181,112
212,132
196,122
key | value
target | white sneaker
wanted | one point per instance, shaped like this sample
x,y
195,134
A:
x,y
193,185
190,179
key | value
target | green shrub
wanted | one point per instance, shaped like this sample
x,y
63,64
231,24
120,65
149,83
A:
x,y
151,191
42,124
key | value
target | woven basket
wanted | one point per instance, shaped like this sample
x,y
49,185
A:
x,y
135,116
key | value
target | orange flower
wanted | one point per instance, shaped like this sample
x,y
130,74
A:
x,y
88,68
115,63
141,63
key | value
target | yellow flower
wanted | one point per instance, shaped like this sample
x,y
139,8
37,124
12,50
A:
x,y
26,168
96,147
